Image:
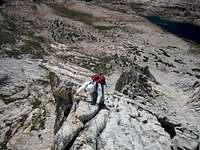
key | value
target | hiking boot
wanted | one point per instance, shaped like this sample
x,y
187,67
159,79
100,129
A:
x,y
92,103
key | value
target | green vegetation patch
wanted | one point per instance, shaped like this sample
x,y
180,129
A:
x,y
75,15
12,29
3,146
104,66
34,48
8,29
194,49
35,38
6,37
97,65
79,16
104,27
36,103
38,120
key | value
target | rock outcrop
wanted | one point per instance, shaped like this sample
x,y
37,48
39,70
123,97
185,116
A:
x,y
195,99
121,126
63,95
27,111
183,136
48,48
134,82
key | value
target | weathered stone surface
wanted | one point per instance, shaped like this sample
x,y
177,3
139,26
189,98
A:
x,y
154,107
63,95
73,124
88,138
129,128
25,104
134,82
195,99
67,132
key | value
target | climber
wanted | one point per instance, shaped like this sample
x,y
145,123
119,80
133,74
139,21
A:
x,y
95,87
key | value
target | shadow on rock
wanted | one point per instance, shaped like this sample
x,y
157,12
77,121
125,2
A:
x,y
134,82
69,122
63,95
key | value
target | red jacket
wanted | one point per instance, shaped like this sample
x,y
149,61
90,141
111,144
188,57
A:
x,y
98,78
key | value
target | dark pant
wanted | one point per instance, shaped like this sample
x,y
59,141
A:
x,y
94,98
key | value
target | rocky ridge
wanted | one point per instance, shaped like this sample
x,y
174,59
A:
x,y
152,99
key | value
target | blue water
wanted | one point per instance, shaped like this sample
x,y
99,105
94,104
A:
x,y
183,30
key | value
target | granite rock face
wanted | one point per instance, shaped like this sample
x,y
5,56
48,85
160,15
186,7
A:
x,y
195,97
121,126
134,82
49,48
176,129
26,105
